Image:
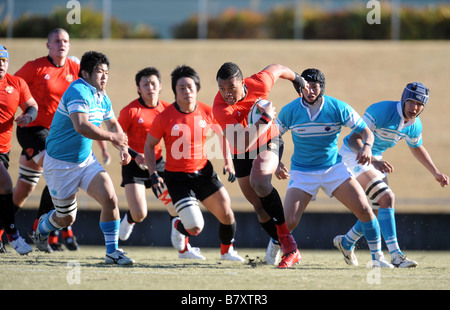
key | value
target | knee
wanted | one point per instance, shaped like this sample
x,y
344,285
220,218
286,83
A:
x,y
387,200
194,231
262,187
65,211
66,220
228,217
139,216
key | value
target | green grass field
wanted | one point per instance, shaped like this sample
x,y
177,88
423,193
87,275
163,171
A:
x,y
160,269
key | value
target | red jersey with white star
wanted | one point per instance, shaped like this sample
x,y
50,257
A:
x,y
184,136
258,86
13,92
47,84
135,120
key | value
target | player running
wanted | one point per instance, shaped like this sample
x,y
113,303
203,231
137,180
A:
x,y
69,162
135,120
189,175
315,121
255,155
48,78
14,94
390,121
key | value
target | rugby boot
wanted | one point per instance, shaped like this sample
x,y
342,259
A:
x,y
349,255
401,261
290,259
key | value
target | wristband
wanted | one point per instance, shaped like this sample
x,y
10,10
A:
x,y
298,83
132,153
266,118
155,181
367,144
31,112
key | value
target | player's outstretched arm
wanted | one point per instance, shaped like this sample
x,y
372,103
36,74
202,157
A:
x,y
422,155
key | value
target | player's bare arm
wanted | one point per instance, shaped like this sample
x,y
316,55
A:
x,y
150,160
283,72
361,144
29,109
114,133
228,162
422,155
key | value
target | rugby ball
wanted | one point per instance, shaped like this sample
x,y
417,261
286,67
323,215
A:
x,y
254,115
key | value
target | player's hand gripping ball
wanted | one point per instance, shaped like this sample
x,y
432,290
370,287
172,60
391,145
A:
x,y
255,114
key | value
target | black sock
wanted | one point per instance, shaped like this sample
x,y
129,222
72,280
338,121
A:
x,y
273,206
129,217
46,203
180,227
271,229
226,233
7,218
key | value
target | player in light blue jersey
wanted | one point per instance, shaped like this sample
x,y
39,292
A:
x,y
315,121
70,164
390,121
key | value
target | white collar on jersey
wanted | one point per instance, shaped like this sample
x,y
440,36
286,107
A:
x,y
98,93
402,122
313,110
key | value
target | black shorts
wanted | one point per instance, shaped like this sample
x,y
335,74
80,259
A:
x,y
200,184
243,163
4,158
132,174
32,140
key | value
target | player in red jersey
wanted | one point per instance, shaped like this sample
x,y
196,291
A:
x,y
48,78
14,93
135,119
189,175
256,149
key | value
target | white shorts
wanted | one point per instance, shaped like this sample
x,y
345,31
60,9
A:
x,y
64,178
349,159
328,179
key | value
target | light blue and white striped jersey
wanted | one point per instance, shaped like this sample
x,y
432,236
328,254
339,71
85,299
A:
x,y
387,123
63,142
315,138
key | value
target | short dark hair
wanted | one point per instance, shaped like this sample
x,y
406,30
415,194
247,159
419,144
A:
x,y
181,72
56,30
149,71
91,60
228,71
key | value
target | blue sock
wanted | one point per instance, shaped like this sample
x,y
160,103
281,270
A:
x,y
111,233
386,217
372,233
46,227
352,236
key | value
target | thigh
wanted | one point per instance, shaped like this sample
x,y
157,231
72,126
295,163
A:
x,y
295,203
264,164
219,205
263,168
351,195
367,176
135,194
101,188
